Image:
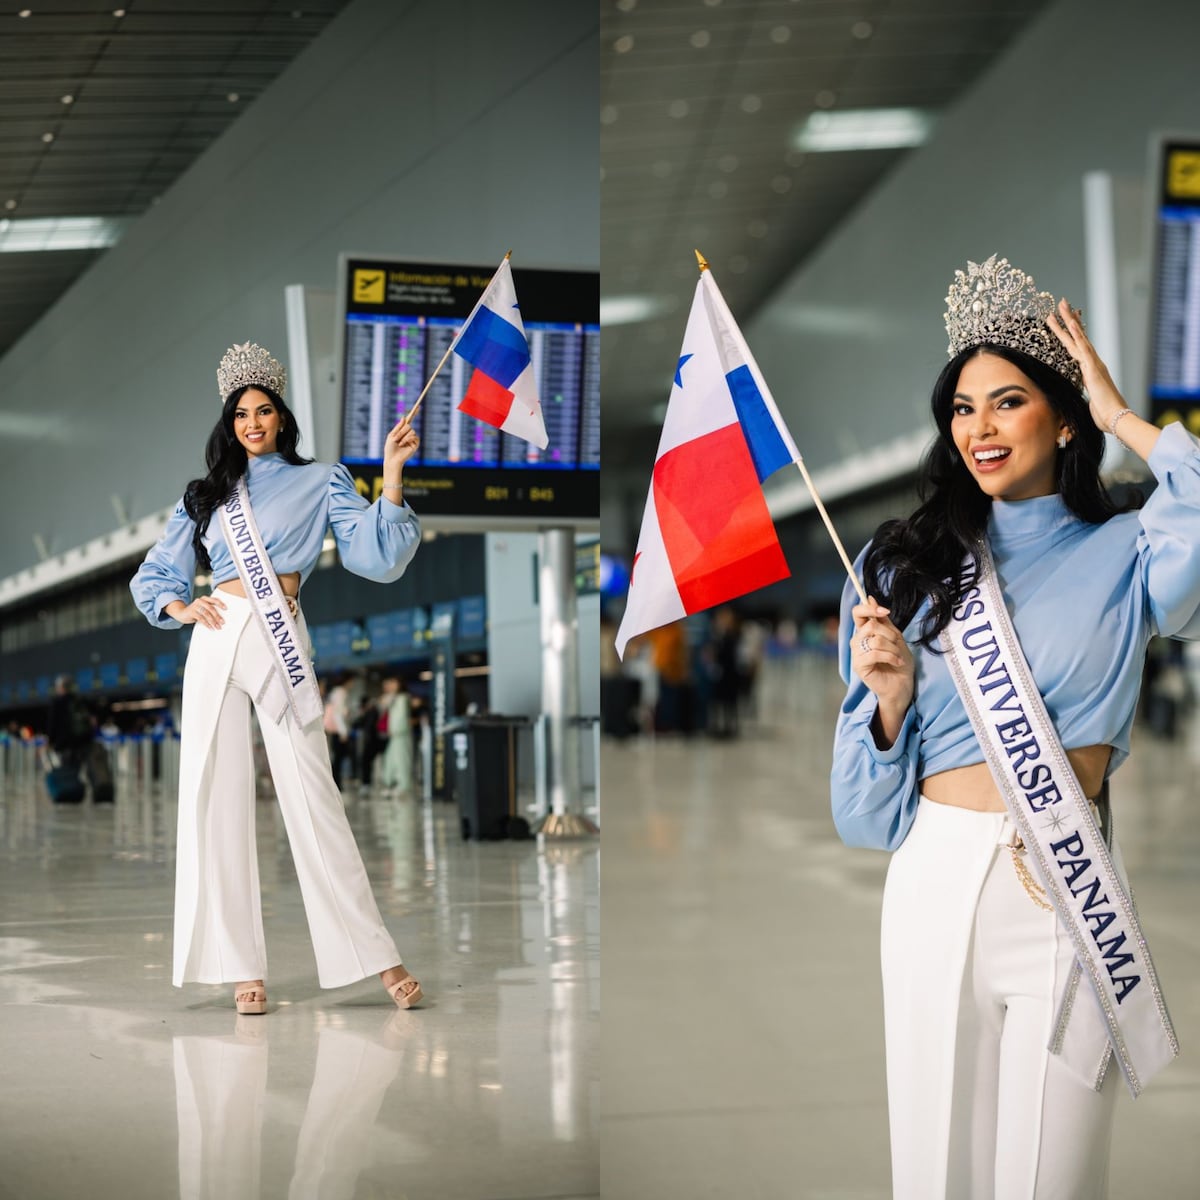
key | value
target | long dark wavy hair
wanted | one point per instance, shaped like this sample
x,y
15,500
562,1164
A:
x,y
934,554
225,458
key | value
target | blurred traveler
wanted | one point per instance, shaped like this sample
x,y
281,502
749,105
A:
x,y
620,692
370,741
69,732
251,645
396,709
337,727
726,693
999,1082
69,727
671,657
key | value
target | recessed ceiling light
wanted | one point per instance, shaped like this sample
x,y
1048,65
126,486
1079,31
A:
x,y
232,97
700,38
780,34
68,99
861,30
10,204
59,233
678,109
118,13
25,12
751,103
865,129
626,5
47,137
608,114
629,310
623,44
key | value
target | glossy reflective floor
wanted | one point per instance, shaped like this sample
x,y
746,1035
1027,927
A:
x,y
743,1027
113,1083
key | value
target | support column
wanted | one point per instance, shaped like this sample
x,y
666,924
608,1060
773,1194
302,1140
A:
x,y
560,681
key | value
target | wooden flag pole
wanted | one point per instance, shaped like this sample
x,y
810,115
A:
x,y
413,411
450,349
837,541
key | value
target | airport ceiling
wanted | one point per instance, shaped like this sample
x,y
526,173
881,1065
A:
x,y
701,104
104,104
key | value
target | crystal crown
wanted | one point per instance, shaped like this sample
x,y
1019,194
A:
x,y
994,304
249,365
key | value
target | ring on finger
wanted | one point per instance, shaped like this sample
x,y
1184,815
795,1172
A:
x,y
864,643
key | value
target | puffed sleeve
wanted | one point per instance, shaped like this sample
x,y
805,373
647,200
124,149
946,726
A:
x,y
168,571
874,791
1169,539
376,541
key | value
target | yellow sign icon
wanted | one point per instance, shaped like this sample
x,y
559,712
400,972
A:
x,y
1183,174
368,287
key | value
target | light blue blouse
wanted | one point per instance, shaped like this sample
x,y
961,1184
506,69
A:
x,y
1085,601
293,506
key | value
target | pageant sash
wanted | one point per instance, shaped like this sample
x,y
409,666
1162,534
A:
x,y
291,665
1055,821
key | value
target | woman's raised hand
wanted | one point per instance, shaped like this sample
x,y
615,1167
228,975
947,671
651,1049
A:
x,y
882,660
400,445
1105,400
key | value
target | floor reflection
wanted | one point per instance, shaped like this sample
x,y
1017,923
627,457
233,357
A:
x,y
487,1090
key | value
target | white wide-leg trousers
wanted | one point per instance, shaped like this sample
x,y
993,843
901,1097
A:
x,y
218,912
972,970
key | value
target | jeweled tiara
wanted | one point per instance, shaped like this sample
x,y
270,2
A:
x,y
249,365
994,304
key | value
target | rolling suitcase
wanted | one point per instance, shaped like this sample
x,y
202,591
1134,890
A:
x,y
64,785
99,773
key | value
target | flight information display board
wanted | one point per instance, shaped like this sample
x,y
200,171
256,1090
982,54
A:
x,y
1175,298
398,320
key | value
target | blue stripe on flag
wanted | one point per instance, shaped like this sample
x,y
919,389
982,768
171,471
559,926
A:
x,y
495,347
767,448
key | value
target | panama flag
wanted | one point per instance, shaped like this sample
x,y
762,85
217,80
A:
x,y
707,536
502,391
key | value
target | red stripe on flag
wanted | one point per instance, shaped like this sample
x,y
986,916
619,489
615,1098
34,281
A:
x,y
718,534
486,400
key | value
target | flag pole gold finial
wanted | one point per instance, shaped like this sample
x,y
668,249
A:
x,y
702,261
508,255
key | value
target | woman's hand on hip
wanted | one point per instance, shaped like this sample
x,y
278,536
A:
x,y
204,610
881,658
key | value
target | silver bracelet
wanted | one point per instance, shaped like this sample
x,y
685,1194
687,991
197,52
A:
x,y
393,486
1112,425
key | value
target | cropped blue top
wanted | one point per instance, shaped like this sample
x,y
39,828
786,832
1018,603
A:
x,y
293,506
1084,600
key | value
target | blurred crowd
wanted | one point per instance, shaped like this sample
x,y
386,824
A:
x,y
697,676
703,675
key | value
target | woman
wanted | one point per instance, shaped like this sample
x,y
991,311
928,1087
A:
x,y
397,755
1002,1070
257,521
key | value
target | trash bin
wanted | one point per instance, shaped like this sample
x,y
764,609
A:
x,y
487,788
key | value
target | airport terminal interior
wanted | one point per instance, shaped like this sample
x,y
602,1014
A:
x,y
463,251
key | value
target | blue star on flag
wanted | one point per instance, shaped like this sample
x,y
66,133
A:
x,y
679,367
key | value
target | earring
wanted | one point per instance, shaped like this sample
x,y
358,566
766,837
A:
x,y
1062,441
